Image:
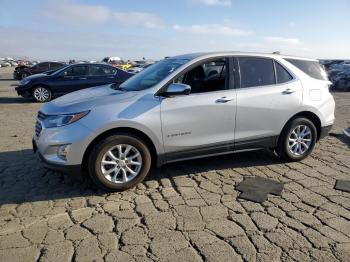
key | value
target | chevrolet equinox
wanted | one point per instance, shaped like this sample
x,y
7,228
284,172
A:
x,y
185,107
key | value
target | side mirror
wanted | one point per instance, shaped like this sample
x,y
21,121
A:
x,y
176,89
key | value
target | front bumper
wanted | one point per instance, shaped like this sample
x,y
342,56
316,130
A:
x,y
325,131
24,92
47,141
72,170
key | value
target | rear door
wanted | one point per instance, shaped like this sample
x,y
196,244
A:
x,y
72,79
101,75
268,96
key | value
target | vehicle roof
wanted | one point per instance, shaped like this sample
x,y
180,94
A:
x,y
237,53
50,61
92,64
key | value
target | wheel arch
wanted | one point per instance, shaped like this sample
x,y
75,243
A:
x,y
40,84
311,116
129,130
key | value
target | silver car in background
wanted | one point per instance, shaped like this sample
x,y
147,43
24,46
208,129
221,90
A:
x,y
185,107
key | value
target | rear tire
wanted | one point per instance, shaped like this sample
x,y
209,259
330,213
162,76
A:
x,y
119,162
297,140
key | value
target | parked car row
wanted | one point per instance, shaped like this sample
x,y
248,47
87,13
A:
x,y
338,73
8,62
130,66
5,63
47,80
62,80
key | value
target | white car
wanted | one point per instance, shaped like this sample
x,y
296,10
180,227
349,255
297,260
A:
x,y
184,107
5,64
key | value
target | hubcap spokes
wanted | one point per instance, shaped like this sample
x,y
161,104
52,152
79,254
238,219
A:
x,y
300,140
41,94
121,163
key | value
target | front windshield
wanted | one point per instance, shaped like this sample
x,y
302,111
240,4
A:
x,y
51,71
152,75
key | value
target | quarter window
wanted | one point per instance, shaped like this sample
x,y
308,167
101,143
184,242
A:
x,y
282,75
109,70
311,68
256,71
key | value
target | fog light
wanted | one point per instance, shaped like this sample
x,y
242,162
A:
x,y
62,152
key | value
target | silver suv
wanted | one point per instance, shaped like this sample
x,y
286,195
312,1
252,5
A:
x,y
184,107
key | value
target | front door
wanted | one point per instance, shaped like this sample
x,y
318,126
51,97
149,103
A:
x,y
72,79
202,122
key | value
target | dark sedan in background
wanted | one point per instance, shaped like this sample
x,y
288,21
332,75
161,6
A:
x,y
44,87
22,71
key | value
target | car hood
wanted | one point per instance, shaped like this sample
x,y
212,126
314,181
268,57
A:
x,y
85,99
32,77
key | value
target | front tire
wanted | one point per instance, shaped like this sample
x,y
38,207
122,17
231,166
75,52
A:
x,y
297,140
119,162
41,94
24,75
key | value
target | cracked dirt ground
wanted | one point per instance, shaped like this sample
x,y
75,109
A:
x,y
185,211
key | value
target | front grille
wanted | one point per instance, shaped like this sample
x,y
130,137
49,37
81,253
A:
x,y
40,117
38,128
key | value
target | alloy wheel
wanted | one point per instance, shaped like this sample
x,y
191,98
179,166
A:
x,y
299,140
41,94
121,164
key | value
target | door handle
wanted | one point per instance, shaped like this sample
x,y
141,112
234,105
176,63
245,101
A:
x,y
288,91
223,99
82,78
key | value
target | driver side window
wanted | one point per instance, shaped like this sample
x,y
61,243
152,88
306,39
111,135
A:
x,y
207,77
76,70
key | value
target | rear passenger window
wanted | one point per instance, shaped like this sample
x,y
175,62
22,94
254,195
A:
x,y
282,75
311,68
97,70
256,71
76,70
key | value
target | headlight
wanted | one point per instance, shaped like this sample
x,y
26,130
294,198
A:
x,y
24,82
62,120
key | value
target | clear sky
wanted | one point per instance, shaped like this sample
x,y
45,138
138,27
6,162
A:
x,y
132,29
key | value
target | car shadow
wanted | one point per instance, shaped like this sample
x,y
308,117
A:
x,y
15,100
7,79
30,182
